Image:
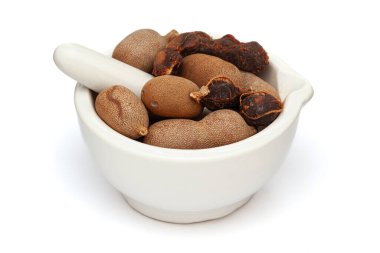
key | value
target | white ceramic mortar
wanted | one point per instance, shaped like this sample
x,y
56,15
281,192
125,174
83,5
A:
x,y
185,186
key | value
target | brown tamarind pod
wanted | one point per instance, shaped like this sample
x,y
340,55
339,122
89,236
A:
x,y
167,62
249,56
226,41
201,68
218,128
191,42
139,49
171,35
123,111
219,93
168,96
169,59
260,103
259,108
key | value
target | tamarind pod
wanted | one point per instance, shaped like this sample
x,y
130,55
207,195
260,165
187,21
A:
x,y
249,56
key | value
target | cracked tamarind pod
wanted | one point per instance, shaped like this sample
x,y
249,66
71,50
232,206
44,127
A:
x,y
140,48
191,42
259,108
260,103
249,56
219,93
169,60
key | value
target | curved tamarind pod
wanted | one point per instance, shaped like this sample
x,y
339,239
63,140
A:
x,y
201,68
260,103
249,56
218,128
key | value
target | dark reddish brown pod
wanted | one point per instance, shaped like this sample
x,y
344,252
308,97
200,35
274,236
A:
x,y
219,93
259,109
190,42
249,56
167,62
225,41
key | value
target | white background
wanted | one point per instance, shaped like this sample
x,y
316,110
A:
x,y
325,197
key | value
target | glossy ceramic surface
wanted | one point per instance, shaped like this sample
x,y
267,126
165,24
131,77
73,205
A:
x,y
185,186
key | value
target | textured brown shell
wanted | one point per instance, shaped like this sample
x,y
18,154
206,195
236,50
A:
x,y
200,68
123,111
260,103
139,48
250,82
169,96
218,128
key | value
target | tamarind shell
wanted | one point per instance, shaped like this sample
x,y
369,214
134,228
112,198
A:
x,y
249,56
259,109
201,68
250,82
218,128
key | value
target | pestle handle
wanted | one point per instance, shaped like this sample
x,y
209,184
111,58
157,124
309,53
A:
x,y
97,71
